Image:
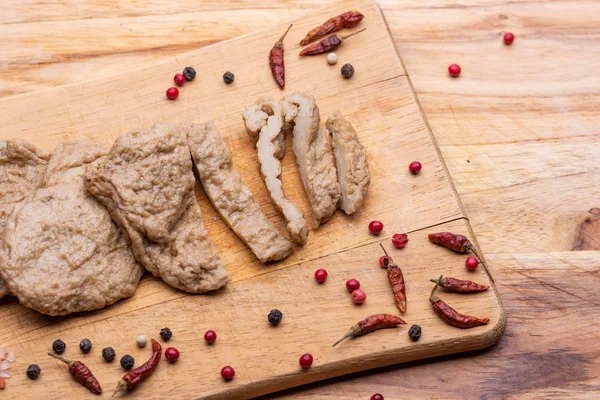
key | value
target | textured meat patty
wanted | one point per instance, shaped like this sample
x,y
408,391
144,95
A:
x,y
61,253
147,184
22,168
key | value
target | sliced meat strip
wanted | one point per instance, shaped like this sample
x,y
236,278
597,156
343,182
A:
x,y
22,167
264,121
147,184
314,156
61,252
230,197
351,161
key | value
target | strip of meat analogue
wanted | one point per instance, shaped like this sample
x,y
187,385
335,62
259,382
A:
x,y
22,168
230,197
314,156
264,120
147,184
351,161
61,253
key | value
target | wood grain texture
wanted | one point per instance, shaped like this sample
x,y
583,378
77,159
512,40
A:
x,y
512,106
380,103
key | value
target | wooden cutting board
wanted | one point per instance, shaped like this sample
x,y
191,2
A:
x,y
381,104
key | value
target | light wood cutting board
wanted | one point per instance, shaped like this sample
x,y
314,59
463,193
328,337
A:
x,y
381,104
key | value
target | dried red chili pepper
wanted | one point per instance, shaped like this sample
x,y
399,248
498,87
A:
x,y
138,375
328,44
449,315
458,243
81,374
276,60
461,286
397,281
346,20
372,323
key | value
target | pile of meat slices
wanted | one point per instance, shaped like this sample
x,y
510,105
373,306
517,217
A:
x,y
78,226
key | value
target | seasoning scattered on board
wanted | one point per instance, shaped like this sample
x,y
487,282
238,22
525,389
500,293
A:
x,y
138,375
460,286
372,323
346,20
449,315
328,44
397,281
276,60
458,243
81,374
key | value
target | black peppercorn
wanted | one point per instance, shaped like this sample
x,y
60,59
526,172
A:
x,y
228,77
347,71
108,353
275,317
189,73
85,345
166,334
59,346
127,362
414,332
33,371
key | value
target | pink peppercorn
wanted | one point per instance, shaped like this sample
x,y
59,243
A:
x,y
377,396
306,361
172,93
358,296
227,373
210,337
508,38
415,167
179,79
375,227
320,275
399,240
454,70
172,354
352,285
471,263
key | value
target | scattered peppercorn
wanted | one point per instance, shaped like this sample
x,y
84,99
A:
x,y
85,345
399,240
172,354
377,396
454,70
228,77
210,337
347,71
108,353
352,285
127,362
59,346
141,340
306,361
179,79
471,263
508,38
275,317
358,296
227,373
189,73
332,58
33,371
321,275
166,334
414,332
172,93
375,227
415,167
384,261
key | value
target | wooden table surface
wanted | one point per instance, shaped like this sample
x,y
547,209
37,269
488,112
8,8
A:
x,y
519,131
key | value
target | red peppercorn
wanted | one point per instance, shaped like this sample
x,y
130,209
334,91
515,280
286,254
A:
x,y
172,93
179,79
399,240
172,354
508,38
227,373
415,167
352,285
210,337
320,275
384,261
377,396
306,361
471,263
375,227
454,70
358,296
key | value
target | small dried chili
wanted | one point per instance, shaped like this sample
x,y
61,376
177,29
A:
x,y
397,281
372,323
328,44
461,286
138,375
276,60
346,20
81,374
449,315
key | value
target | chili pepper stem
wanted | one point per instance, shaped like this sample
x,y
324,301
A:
x,y
279,43
121,385
434,297
61,359
354,331
352,34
